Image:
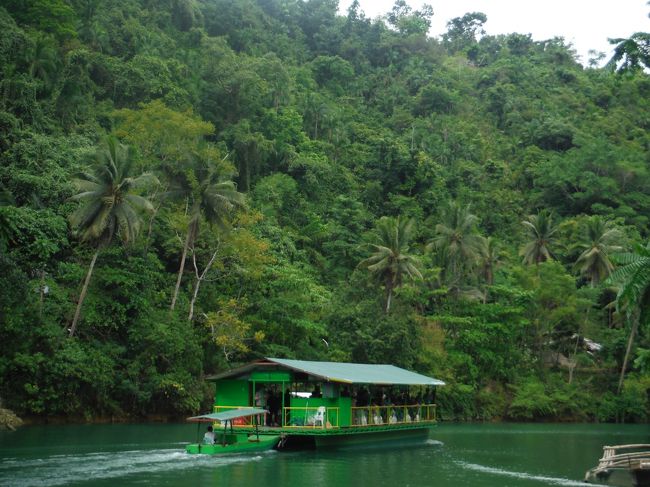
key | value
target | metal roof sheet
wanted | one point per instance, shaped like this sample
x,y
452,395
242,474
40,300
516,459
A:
x,y
379,374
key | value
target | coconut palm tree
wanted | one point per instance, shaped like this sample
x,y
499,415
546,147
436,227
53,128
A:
x,y
109,206
633,281
541,238
457,238
630,54
600,239
391,261
209,193
489,258
42,59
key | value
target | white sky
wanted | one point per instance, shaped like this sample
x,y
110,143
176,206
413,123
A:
x,y
585,23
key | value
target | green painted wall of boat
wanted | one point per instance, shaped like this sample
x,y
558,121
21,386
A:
x,y
343,403
345,411
271,376
231,393
225,438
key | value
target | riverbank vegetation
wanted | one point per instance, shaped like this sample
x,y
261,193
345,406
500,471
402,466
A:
x,y
190,184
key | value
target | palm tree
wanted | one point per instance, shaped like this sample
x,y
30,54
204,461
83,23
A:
x,y
633,280
634,53
390,261
457,238
110,206
541,238
599,240
208,192
489,259
41,58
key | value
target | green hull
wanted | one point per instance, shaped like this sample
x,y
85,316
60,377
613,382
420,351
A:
x,y
244,444
372,438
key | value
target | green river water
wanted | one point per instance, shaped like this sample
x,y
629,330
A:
x,y
455,455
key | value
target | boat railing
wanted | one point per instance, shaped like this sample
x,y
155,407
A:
x,y
329,417
613,456
311,417
382,415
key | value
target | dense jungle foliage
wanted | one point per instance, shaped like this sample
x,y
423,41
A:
x,y
191,184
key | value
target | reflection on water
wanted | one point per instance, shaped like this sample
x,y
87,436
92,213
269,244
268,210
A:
x,y
456,455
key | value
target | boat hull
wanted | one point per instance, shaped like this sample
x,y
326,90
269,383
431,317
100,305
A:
x,y
372,438
619,477
244,444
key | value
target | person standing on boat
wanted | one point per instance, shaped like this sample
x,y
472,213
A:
x,y
287,405
260,398
274,403
208,437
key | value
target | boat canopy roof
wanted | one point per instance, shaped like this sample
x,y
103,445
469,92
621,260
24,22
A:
x,y
228,415
343,372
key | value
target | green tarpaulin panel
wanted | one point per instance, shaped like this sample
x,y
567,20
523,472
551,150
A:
x,y
228,415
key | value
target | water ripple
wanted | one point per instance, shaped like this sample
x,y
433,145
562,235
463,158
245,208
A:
x,y
521,475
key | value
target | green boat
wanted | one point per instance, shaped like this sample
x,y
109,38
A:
x,y
325,404
229,441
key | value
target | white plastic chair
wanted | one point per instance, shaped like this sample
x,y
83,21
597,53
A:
x,y
319,417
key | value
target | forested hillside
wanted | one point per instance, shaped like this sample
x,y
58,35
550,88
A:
x,y
191,184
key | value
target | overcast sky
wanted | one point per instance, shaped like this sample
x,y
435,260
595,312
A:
x,y
585,23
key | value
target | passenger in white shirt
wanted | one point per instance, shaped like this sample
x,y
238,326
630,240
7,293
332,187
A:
x,y
208,437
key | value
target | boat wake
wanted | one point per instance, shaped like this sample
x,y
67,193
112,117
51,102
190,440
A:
x,y
434,443
520,475
68,469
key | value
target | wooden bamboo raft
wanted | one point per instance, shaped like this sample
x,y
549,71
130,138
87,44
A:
x,y
623,465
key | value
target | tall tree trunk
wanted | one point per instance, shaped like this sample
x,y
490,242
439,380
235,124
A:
x,y
186,246
574,363
41,293
199,279
82,296
389,295
150,230
630,341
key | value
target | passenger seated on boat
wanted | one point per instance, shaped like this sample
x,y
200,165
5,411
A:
x,y
377,419
316,392
364,419
208,437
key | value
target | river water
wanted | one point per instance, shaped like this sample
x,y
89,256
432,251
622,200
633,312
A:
x,y
488,455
